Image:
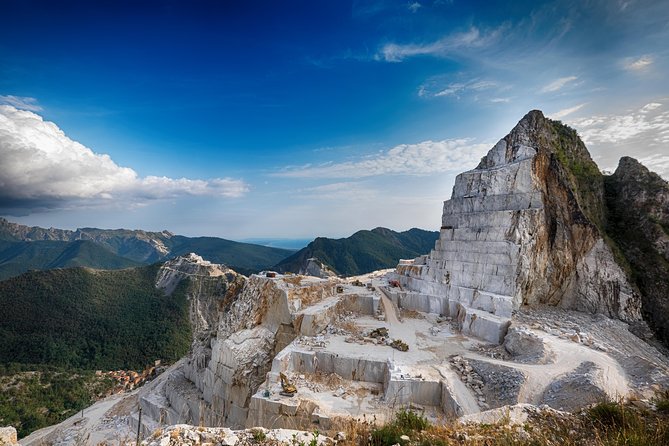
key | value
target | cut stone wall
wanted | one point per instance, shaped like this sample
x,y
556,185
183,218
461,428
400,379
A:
x,y
513,234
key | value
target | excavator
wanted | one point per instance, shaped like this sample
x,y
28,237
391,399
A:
x,y
289,388
395,284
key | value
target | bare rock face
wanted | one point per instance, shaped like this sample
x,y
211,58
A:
x,y
638,204
525,346
239,325
316,268
522,228
8,436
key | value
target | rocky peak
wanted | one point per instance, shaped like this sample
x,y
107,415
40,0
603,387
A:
x,y
525,227
190,265
638,221
645,188
521,143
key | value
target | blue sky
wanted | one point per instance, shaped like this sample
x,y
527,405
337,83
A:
x,y
304,119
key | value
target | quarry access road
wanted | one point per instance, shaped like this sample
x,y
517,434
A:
x,y
568,355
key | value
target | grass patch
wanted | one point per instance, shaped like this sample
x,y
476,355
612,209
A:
x,y
605,424
662,401
406,422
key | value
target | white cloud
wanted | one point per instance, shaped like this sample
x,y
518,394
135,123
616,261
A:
x,y
650,107
500,100
649,124
455,88
658,163
446,46
557,84
424,158
21,102
567,111
41,167
414,6
346,190
639,64
434,87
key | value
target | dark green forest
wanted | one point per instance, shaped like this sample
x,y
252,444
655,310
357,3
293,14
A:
x,y
89,319
364,251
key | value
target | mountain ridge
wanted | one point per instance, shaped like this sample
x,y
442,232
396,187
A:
x,y
362,252
123,248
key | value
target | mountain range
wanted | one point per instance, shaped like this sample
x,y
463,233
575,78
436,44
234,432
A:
x,y
24,248
28,247
363,252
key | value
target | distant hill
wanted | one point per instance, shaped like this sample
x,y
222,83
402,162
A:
x,y
244,258
285,243
19,257
30,247
89,319
363,252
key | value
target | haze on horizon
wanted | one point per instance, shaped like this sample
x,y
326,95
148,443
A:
x,y
305,119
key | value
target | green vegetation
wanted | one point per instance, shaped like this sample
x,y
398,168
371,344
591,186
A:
x,y
662,401
406,422
621,425
24,248
605,424
244,258
30,400
587,180
636,199
89,319
19,257
259,435
364,251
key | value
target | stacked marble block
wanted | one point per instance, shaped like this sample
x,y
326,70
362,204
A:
x,y
398,384
471,274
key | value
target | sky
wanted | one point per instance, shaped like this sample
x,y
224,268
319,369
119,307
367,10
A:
x,y
298,119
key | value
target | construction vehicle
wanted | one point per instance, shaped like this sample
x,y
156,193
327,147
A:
x,y
288,388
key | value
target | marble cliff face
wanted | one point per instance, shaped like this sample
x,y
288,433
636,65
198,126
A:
x,y
522,228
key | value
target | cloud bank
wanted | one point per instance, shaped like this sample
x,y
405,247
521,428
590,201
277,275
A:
x,y
424,158
41,168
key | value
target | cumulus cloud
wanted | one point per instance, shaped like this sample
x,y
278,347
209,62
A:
x,y
424,158
638,64
567,111
20,102
40,167
649,124
557,84
444,47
